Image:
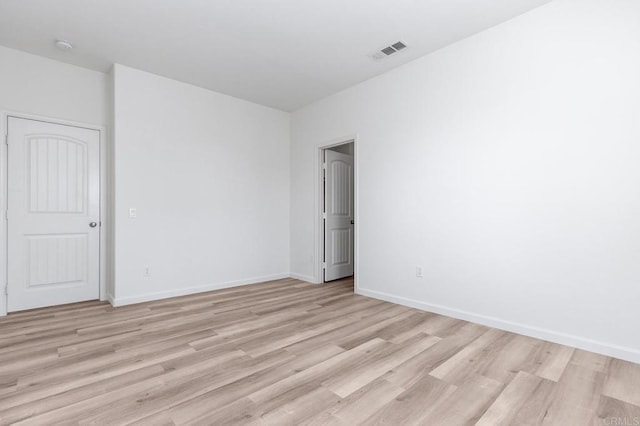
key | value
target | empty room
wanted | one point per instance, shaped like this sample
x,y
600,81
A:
x,y
336,212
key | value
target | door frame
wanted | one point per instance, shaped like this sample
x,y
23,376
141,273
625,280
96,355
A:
x,y
104,231
319,198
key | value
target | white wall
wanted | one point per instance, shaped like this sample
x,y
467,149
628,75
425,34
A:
x,y
346,148
35,85
209,177
109,198
508,166
45,88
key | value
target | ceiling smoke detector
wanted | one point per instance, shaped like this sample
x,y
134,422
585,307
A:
x,y
388,51
63,45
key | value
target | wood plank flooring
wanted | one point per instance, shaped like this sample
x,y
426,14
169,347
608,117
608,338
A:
x,y
287,352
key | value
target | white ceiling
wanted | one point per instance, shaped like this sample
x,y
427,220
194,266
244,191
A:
x,y
280,53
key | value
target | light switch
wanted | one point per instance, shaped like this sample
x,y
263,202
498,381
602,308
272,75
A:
x,y
132,213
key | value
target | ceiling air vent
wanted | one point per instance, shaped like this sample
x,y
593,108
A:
x,y
388,51
398,46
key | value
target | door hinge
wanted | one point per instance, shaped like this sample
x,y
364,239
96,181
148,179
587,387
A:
x,y
324,265
324,166
324,215
6,215
6,139
6,289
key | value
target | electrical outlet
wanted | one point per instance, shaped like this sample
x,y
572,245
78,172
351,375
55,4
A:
x,y
147,272
419,273
133,213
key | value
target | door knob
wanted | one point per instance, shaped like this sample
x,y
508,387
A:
x,y
93,224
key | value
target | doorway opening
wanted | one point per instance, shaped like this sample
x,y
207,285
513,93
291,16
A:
x,y
337,212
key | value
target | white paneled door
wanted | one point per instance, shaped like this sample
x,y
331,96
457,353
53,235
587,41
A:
x,y
53,214
338,228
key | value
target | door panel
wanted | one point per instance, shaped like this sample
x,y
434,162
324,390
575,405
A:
x,y
339,232
340,249
56,169
56,260
53,197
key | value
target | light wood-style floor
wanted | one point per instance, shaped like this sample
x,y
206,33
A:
x,y
287,352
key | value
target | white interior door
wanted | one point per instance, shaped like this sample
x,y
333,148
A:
x,y
338,228
53,214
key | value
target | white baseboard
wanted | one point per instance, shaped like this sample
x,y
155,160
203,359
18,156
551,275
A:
x,y
147,297
109,298
616,351
305,278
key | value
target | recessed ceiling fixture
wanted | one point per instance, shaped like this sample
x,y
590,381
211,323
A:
x,y
389,50
63,45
